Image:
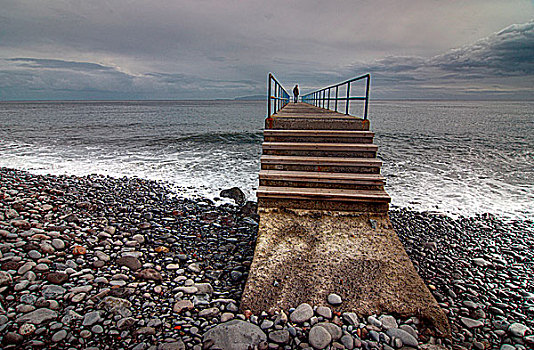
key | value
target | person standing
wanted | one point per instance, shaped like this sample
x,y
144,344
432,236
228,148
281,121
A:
x,y
296,93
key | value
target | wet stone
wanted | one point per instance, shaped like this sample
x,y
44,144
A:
x,y
130,262
57,277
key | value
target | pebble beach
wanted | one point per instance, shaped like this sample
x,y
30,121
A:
x,y
97,262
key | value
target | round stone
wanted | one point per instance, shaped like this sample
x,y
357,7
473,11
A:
x,y
302,313
59,336
26,329
319,337
334,299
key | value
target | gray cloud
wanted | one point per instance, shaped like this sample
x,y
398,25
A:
x,y
499,65
221,49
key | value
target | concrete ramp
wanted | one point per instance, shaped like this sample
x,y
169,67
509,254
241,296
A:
x,y
303,256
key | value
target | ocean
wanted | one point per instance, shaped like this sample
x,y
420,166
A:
x,y
453,157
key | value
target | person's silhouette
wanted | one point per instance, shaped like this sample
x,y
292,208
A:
x,y
296,93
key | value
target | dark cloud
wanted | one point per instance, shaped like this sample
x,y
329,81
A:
x,y
498,65
129,49
59,64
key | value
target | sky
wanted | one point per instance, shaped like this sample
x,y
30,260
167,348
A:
x,y
202,49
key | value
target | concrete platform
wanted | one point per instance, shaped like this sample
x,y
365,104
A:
x,y
303,256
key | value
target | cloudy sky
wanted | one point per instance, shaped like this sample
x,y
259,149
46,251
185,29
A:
x,y
181,49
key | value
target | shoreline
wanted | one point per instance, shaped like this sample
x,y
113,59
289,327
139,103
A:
x,y
182,264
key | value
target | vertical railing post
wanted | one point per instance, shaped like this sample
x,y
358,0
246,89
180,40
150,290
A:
x,y
348,96
269,96
366,97
328,103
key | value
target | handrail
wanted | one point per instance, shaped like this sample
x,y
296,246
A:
x,y
321,98
280,98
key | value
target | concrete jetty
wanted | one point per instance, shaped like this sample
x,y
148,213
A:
x,y
324,225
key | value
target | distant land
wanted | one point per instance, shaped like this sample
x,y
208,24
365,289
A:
x,y
251,98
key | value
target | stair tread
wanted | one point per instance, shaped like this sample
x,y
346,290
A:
x,y
319,146
331,133
283,174
274,159
323,193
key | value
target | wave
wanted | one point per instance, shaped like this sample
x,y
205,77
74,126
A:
x,y
210,138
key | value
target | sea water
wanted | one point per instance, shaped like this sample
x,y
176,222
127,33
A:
x,y
454,157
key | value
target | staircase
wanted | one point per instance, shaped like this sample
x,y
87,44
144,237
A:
x,y
319,159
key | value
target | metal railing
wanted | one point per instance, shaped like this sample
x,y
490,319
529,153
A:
x,y
322,97
277,96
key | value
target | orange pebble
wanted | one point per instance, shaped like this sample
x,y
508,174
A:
x,y
162,249
79,250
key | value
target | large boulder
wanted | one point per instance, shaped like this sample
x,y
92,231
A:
x,y
234,193
234,335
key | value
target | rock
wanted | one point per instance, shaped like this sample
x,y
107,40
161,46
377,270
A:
x,y
176,345
145,331
38,316
71,316
102,256
351,318
266,324
12,338
324,311
409,329
114,305
52,292
208,313
79,250
34,254
347,341
23,224
11,214
301,314
130,262
139,238
58,244
234,335
194,267
57,277
27,329
204,288
406,338
91,318
149,274
470,323
388,322
333,329
227,316
334,299
481,262
5,278
518,330
125,323
182,305
59,336
234,193
280,336
319,337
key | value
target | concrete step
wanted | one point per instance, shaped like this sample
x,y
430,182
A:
x,y
323,199
277,178
316,122
318,136
326,164
350,150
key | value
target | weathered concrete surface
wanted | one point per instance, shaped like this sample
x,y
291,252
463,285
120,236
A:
x,y
303,256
